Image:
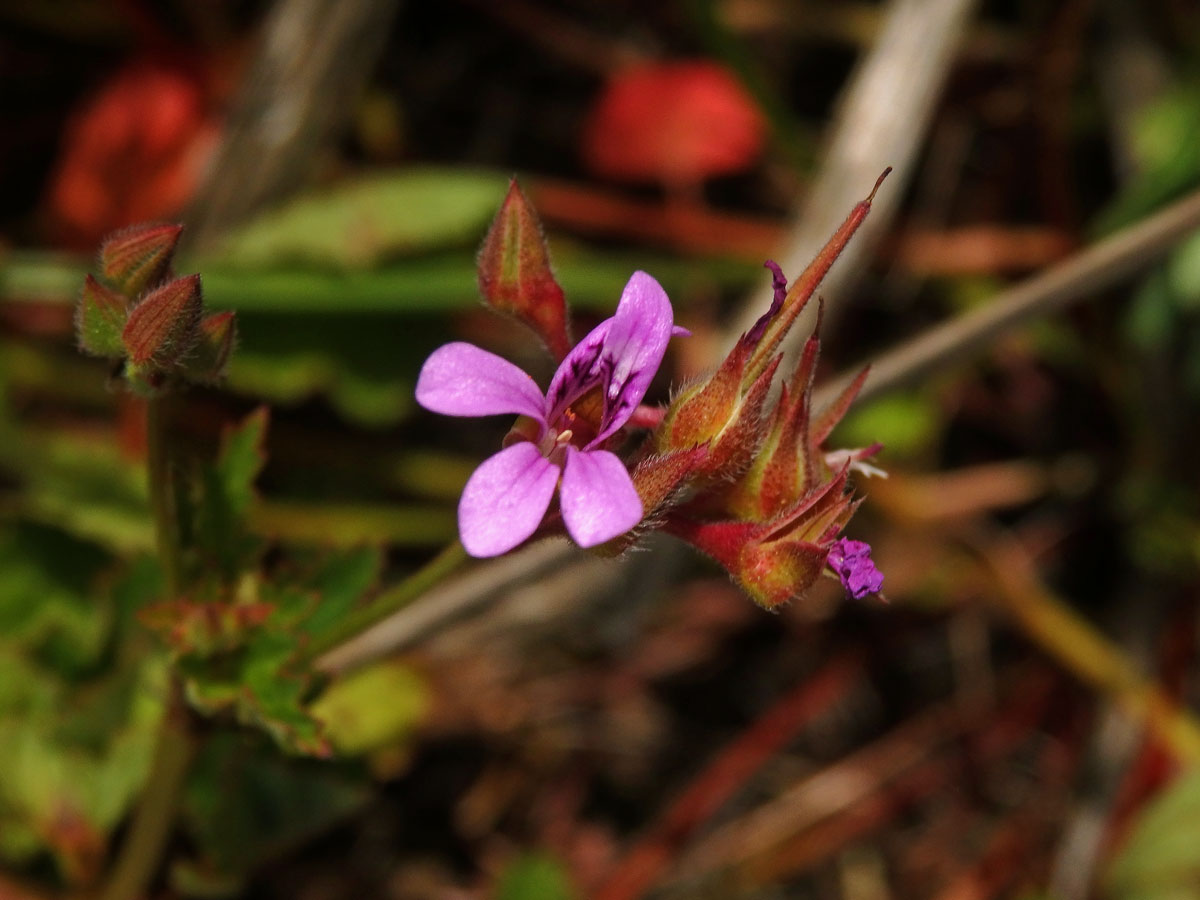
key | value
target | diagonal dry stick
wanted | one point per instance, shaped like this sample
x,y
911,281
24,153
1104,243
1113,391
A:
x,y
882,118
1080,276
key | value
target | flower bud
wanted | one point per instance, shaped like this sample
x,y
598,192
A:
x,y
139,257
162,328
515,275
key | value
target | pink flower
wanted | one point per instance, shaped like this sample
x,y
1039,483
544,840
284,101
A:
x,y
593,394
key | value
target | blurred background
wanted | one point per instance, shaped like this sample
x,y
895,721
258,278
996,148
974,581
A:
x,y
1017,719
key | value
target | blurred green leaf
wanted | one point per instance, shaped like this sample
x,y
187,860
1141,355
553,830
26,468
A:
x,y
905,423
47,604
362,221
1166,145
228,490
72,769
245,804
1161,859
358,719
255,685
535,877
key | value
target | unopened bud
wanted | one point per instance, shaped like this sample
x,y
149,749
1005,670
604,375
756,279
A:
x,y
515,275
162,328
139,257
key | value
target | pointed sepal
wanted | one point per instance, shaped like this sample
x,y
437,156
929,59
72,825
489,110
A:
x,y
100,319
214,344
138,258
805,285
515,275
162,328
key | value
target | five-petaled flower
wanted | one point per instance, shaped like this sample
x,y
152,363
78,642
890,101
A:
x,y
591,397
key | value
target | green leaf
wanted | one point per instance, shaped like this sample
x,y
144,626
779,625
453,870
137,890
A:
x,y
253,685
362,221
905,423
339,583
1167,155
1161,859
46,599
373,707
535,877
245,804
228,491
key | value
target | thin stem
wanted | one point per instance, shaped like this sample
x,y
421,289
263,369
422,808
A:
x,y
1080,276
390,601
162,494
142,851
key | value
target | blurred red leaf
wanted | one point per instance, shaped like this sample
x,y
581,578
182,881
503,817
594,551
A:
x,y
675,122
133,152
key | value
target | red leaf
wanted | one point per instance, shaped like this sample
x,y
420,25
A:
x,y
134,152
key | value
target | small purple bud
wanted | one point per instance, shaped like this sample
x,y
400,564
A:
x,y
851,560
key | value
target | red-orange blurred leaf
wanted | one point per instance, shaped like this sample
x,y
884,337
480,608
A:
x,y
133,153
677,122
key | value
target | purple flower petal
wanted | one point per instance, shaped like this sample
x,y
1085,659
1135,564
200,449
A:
x,y
462,380
598,499
851,560
635,345
505,499
578,372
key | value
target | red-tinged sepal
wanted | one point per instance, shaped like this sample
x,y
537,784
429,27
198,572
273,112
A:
x,y
722,416
775,573
828,418
214,344
162,328
699,412
100,319
659,478
806,284
772,572
515,275
784,468
138,258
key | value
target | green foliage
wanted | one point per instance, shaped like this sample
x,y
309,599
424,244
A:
x,y
245,804
75,734
362,222
1166,149
535,877
357,716
905,423
1161,859
239,637
221,537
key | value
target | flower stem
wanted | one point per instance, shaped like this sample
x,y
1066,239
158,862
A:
x,y
149,829
389,601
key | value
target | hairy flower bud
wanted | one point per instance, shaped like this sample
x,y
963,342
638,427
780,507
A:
x,y
515,275
139,257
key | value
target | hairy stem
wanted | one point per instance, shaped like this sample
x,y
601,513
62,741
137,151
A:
x,y
149,829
